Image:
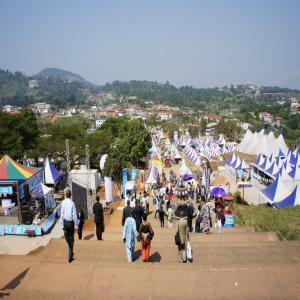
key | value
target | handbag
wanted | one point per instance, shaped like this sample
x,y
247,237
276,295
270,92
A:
x,y
177,239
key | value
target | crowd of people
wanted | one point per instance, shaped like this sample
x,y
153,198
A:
x,y
192,210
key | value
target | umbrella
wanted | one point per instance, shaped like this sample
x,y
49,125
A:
x,y
187,176
218,192
228,198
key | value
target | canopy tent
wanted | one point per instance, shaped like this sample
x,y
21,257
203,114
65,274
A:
x,y
43,192
280,142
152,174
295,173
52,176
231,159
292,200
220,180
12,170
276,191
262,143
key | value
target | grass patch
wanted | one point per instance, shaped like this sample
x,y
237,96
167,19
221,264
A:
x,y
285,222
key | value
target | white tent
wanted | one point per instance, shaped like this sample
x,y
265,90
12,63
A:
x,y
276,192
245,141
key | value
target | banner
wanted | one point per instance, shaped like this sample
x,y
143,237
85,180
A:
x,y
32,182
108,189
133,174
23,229
243,176
124,180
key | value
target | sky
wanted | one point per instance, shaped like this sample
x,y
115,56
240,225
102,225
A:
x,y
199,43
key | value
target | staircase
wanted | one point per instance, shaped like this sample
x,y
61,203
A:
x,y
236,264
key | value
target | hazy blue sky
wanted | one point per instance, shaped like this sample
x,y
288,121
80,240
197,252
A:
x,y
200,43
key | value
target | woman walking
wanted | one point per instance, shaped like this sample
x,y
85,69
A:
x,y
170,214
146,235
198,219
206,216
219,216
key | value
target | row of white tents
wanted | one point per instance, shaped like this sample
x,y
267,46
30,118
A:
x,y
235,162
196,148
263,143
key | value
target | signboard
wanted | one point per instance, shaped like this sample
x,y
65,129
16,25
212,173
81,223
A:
x,y
8,190
32,182
2,230
243,176
22,229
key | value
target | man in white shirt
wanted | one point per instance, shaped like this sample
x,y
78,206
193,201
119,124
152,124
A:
x,y
68,216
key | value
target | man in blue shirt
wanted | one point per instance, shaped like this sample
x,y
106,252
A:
x,y
68,216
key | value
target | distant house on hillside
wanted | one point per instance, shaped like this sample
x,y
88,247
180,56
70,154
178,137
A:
x,y
33,83
41,108
265,117
212,117
10,109
210,128
277,121
100,122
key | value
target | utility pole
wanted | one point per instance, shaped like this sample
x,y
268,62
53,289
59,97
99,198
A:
x,y
68,162
68,156
87,163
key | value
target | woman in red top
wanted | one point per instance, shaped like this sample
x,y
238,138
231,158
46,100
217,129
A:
x,y
145,235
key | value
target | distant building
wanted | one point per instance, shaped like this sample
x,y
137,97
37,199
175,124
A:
x,y
295,106
210,128
277,121
265,117
33,83
212,117
41,108
100,122
164,116
9,109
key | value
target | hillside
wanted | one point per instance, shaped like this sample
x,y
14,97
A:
x,y
62,75
200,98
14,90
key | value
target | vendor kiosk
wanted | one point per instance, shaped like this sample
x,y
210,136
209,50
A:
x,y
16,184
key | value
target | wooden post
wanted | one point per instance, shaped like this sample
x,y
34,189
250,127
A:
x,y
243,198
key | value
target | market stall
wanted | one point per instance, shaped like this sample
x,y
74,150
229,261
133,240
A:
x,y
16,184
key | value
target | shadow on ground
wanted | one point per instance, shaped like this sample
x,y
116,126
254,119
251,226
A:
x,y
155,257
89,236
137,254
13,283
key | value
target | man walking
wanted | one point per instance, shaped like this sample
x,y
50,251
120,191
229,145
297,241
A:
x,y
126,212
98,218
183,229
129,235
69,219
138,212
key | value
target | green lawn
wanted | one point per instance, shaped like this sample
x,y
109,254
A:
x,y
285,222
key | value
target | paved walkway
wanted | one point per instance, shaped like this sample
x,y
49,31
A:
x,y
237,264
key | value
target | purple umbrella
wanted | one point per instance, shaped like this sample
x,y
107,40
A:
x,y
187,176
218,192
